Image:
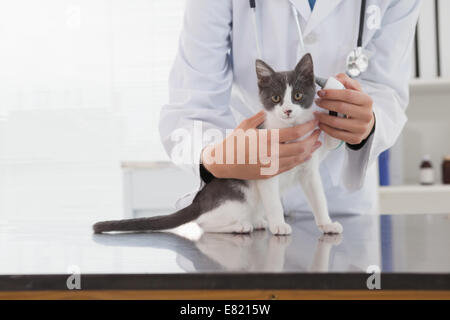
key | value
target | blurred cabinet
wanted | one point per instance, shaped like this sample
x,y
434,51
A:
x,y
152,188
426,132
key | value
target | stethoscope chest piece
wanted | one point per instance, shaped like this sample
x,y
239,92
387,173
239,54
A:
x,y
357,62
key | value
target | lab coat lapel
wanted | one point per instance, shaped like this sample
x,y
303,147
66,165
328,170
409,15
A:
x,y
303,7
321,10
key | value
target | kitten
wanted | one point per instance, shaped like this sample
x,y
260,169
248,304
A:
x,y
234,206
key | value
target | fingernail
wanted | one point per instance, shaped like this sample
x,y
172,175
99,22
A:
x,y
317,101
317,144
316,122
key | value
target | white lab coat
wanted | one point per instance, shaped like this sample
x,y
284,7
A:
x,y
213,78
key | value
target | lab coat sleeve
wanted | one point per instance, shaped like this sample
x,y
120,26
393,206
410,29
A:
x,y
199,83
387,82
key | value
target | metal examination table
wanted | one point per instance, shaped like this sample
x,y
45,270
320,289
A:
x,y
61,258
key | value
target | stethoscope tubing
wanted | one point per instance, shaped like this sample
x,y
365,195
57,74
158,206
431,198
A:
x,y
359,42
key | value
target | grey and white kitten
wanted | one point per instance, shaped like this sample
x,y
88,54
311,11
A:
x,y
239,206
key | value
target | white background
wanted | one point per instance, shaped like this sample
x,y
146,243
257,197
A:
x,y
84,80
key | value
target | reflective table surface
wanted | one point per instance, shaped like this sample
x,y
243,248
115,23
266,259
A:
x,y
42,254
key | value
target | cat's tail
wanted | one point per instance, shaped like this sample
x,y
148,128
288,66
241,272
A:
x,y
163,222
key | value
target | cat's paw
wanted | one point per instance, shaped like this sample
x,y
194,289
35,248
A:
x,y
280,229
260,224
331,228
334,239
243,227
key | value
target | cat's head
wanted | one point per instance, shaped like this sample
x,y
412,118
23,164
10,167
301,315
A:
x,y
289,94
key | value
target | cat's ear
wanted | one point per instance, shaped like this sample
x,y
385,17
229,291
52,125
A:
x,y
305,68
263,69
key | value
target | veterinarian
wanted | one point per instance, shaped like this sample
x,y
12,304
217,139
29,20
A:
x,y
213,81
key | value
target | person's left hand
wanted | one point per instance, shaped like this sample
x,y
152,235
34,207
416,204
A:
x,y
353,103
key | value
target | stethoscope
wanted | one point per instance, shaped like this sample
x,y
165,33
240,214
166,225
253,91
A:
x,y
357,61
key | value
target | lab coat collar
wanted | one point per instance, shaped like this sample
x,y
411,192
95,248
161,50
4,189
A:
x,y
302,7
321,10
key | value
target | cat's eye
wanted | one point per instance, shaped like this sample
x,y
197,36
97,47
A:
x,y
276,99
298,96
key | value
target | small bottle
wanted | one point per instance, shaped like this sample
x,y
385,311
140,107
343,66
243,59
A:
x,y
446,170
426,171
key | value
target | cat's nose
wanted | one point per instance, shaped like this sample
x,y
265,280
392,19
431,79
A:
x,y
287,112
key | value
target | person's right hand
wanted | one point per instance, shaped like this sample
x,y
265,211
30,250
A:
x,y
290,154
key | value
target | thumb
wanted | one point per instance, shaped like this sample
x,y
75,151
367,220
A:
x,y
254,121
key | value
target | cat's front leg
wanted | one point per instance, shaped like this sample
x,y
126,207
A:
x,y
311,183
331,143
269,193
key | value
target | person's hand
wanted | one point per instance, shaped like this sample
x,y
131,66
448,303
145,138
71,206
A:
x,y
289,155
353,103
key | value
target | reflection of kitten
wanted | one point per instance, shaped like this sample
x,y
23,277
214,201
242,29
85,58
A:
x,y
233,206
245,252
257,252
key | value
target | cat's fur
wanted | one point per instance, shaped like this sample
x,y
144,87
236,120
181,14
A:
x,y
238,206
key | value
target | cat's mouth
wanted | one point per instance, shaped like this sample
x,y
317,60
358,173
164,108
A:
x,y
287,118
